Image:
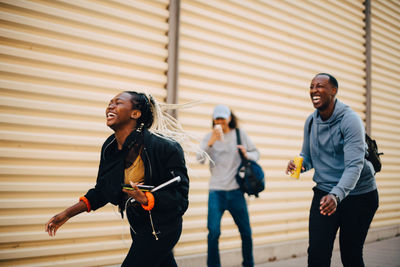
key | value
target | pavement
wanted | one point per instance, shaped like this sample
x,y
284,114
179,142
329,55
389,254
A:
x,y
383,253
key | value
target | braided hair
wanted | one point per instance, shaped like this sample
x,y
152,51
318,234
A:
x,y
157,121
141,102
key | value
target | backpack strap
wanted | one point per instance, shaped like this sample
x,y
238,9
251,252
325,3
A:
x,y
238,139
239,142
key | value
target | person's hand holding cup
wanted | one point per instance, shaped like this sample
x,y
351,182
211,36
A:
x,y
294,167
219,131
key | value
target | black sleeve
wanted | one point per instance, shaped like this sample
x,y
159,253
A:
x,y
95,195
96,198
173,200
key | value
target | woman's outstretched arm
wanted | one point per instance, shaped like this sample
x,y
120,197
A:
x,y
56,221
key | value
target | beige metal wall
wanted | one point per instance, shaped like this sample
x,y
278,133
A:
x,y
259,57
61,62
385,119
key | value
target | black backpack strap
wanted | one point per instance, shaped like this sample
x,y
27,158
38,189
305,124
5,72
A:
x,y
239,142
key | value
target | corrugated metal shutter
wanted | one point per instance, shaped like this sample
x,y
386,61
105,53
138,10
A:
x,y
259,57
385,120
61,62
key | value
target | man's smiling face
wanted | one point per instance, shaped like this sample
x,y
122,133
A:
x,y
322,92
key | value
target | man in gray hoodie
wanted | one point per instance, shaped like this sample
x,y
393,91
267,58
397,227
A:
x,y
345,195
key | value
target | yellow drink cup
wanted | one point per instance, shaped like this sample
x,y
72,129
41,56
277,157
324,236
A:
x,y
298,161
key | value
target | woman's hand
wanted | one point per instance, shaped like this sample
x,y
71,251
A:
x,y
243,149
215,136
54,223
136,194
328,205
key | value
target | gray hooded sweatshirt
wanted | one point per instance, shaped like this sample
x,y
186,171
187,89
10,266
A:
x,y
336,149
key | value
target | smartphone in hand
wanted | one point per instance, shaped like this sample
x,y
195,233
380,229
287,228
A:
x,y
141,187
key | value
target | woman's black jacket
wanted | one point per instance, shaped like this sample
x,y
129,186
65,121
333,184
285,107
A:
x,y
163,160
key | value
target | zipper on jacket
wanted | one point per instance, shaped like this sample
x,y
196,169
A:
x,y
104,151
151,178
152,226
148,159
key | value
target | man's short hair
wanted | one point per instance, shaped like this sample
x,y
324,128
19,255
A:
x,y
332,80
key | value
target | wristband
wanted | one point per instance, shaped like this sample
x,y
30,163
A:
x,y
150,201
84,199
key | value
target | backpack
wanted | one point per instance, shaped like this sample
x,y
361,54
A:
x,y
373,154
250,175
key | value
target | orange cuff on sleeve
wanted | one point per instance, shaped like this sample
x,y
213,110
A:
x,y
150,201
84,199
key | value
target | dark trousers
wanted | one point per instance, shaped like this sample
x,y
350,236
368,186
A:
x,y
147,251
353,216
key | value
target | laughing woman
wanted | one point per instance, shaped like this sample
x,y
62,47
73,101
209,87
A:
x,y
142,150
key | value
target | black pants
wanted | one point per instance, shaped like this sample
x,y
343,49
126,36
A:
x,y
147,251
353,216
